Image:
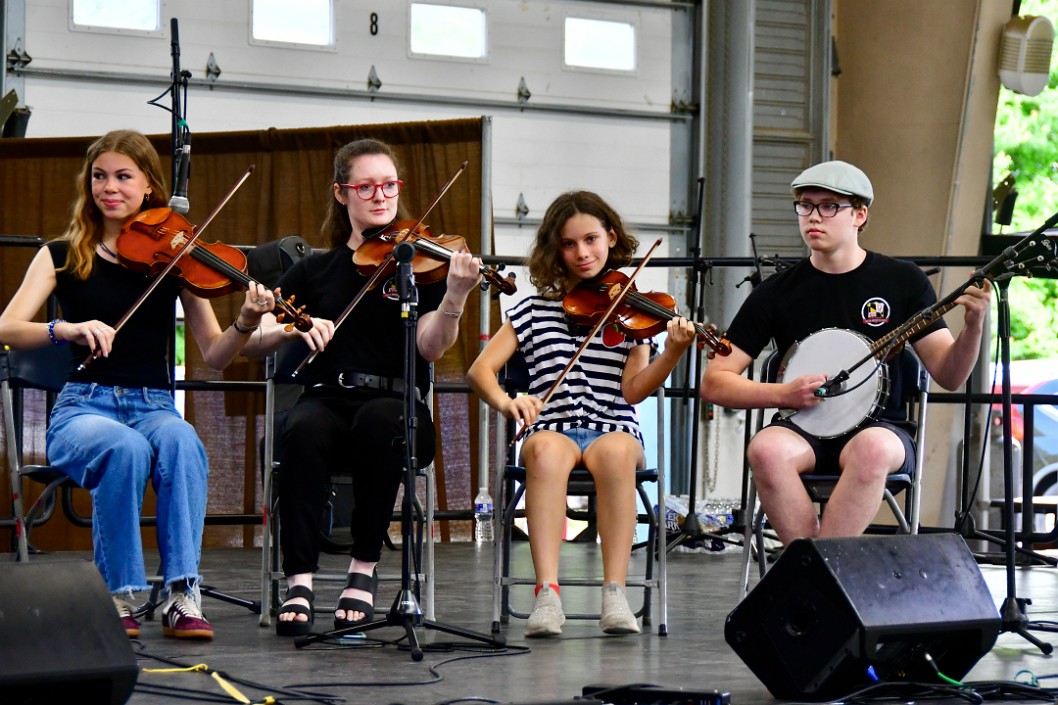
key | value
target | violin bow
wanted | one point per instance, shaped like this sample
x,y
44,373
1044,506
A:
x,y
195,232
587,339
385,263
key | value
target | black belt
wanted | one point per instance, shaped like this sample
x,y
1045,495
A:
x,y
352,380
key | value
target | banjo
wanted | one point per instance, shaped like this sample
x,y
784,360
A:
x,y
859,388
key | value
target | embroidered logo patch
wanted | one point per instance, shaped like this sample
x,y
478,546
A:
x,y
390,291
875,312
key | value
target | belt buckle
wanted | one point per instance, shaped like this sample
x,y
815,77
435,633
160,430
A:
x,y
342,384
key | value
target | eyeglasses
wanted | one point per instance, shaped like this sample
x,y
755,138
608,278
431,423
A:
x,y
390,189
826,210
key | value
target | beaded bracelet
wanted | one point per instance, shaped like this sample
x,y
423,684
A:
x,y
240,328
51,332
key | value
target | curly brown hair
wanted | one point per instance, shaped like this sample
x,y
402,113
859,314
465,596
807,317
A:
x,y
547,272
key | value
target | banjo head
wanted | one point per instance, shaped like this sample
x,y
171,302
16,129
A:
x,y
828,352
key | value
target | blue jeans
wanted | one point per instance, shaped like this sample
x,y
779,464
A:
x,y
111,440
583,437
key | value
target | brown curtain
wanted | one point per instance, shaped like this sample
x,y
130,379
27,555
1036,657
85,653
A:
x,y
285,195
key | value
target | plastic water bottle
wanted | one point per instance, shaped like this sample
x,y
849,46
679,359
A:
x,y
483,530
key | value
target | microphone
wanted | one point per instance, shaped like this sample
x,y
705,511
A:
x,y
179,202
837,381
404,252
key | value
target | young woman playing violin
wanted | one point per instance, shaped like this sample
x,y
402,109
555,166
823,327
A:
x,y
590,420
114,425
351,414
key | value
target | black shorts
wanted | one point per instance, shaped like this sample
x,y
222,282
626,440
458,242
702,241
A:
x,y
828,450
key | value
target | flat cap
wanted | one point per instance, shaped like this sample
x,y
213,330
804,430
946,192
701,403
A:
x,y
837,176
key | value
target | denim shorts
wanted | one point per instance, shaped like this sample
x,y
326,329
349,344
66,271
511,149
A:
x,y
583,437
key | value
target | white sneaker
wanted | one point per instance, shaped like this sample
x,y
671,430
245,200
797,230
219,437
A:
x,y
547,617
182,617
128,622
617,616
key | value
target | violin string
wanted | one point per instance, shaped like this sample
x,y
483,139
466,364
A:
x,y
442,252
651,306
224,267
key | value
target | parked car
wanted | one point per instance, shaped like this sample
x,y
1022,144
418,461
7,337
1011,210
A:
x,y
1045,423
1032,377
1044,444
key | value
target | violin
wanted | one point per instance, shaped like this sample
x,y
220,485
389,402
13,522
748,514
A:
x,y
150,239
640,315
432,255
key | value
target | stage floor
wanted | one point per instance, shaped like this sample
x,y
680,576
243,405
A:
x,y
703,589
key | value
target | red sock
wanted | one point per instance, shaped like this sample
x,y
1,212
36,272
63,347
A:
x,y
553,587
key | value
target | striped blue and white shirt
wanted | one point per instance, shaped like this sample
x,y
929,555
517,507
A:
x,y
590,395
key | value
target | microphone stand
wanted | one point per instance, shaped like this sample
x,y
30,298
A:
x,y
179,132
1012,611
180,142
691,529
406,612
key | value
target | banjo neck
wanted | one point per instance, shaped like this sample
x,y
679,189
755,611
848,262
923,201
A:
x,y
892,341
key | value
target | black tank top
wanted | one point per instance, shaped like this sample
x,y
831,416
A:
x,y
139,357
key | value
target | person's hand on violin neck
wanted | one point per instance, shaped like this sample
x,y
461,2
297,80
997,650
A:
x,y
274,334
464,275
440,328
257,301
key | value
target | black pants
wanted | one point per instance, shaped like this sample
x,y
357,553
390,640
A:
x,y
358,431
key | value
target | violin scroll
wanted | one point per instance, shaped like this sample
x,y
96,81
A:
x,y
285,312
504,285
708,335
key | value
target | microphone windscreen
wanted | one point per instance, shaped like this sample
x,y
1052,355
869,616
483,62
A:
x,y
404,252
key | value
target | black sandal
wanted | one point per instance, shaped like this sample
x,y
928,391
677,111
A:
x,y
358,581
295,627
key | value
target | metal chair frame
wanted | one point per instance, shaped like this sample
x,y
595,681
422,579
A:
x,y
820,485
277,370
511,487
43,369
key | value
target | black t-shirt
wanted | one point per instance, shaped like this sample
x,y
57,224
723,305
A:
x,y
139,357
872,300
371,339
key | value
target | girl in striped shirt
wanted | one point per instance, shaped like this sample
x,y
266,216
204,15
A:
x,y
590,421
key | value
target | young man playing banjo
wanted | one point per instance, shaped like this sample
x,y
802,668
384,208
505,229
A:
x,y
824,313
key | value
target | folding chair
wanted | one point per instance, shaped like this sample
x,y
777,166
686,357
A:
x,y
510,489
915,380
281,392
42,369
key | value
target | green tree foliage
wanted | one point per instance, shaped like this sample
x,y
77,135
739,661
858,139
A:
x,y
1026,143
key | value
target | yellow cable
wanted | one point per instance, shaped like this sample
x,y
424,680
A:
x,y
224,684
199,667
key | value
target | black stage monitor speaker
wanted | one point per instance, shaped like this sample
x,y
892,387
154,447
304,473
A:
x,y
60,637
832,612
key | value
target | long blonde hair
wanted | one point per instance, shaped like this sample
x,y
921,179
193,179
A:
x,y
547,272
85,229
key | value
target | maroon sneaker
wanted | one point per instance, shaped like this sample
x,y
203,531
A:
x,y
128,622
182,618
